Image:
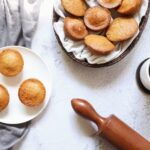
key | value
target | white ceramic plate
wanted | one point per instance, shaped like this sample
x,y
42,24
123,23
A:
x,y
34,67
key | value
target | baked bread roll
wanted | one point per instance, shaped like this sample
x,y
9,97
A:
x,y
11,62
4,98
110,3
75,7
32,92
129,7
97,18
122,29
99,45
75,28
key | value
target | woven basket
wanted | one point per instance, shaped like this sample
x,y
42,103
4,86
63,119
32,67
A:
x,y
85,63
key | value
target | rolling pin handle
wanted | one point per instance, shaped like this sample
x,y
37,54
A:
x,y
85,109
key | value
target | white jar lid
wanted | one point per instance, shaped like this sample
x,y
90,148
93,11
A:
x,y
145,74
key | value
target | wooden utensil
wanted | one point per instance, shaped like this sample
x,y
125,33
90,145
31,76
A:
x,y
112,128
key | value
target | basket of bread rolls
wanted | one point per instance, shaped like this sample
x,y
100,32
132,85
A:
x,y
98,33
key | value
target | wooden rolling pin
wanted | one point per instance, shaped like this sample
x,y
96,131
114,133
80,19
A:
x,y
112,128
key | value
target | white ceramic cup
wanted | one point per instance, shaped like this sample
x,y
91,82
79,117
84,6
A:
x,y
145,74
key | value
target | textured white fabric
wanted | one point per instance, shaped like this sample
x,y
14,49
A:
x,y
18,19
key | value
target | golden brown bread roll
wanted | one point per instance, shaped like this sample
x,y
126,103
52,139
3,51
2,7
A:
x,y
32,92
4,98
11,62
97,18
129,7
75,28
99,45
75,7
110,3
122,29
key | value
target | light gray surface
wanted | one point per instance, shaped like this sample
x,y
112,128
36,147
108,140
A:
x,y
110,90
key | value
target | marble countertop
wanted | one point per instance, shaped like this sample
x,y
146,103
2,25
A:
x,y
110,90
